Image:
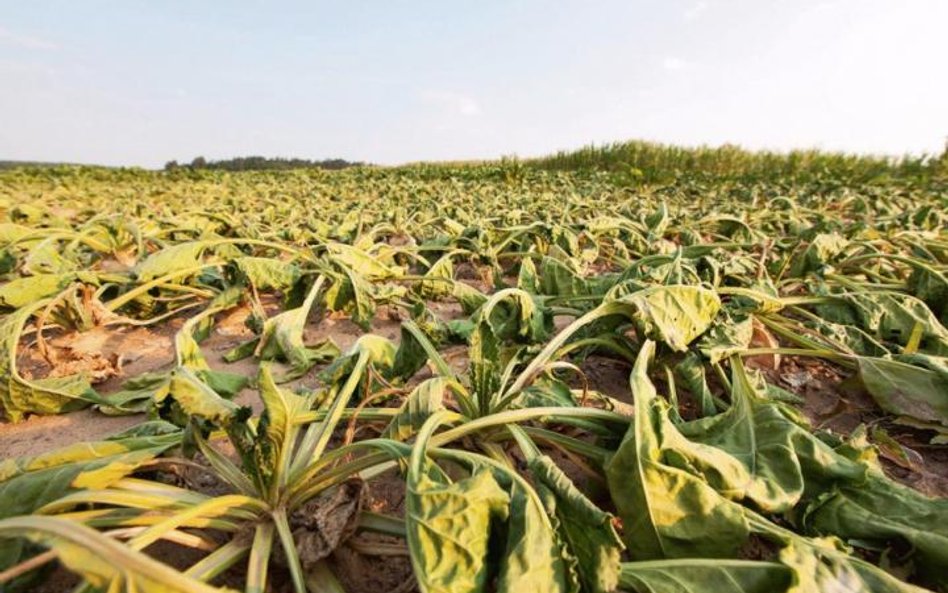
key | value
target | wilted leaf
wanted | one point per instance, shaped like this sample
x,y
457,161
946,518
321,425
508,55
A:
x,y
905,389
448,525
675,315
666,512
101,560
587,530
171,259
267,273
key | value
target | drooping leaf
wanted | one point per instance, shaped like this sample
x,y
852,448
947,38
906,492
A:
x,y
101,560
557,278
691,372
412,353
726,338
282,339
448,527
533,557
666,512
487,367
421,403
675,315
20,292
27,484
821,251
186,392
695,575
438,281
882,511
587,530
469,297
545,392
268,273
51,395
527,280
820,566
378,351
905,389
353,294
279,429
175,258
362,263
892,317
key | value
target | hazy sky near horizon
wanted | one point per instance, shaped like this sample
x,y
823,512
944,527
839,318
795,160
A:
x,y
133,82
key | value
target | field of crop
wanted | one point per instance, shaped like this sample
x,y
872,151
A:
x,y
515,376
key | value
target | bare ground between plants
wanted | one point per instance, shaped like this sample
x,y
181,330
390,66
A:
x,y
373,563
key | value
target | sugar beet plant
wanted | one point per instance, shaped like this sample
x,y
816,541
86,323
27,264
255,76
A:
x,y
520,467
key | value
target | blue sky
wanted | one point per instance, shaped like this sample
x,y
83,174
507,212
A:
x,y
142,82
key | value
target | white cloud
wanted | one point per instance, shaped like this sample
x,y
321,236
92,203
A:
x,y
673,63
457,103
695,10
8,37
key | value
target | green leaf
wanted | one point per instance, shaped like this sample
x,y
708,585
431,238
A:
x,y
882,511
892,317
171,259
697,575
666,511
52,395
282,338
20,292
448,526
727,338
267,273
905,389
353,294
675,315
586,529
421,403
438,281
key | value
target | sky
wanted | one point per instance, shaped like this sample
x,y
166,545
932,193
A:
x,y
143,82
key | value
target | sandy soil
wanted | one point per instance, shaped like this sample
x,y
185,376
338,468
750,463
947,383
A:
x,y
133,351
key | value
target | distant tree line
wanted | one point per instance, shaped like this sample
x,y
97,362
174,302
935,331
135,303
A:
x,y
260,163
